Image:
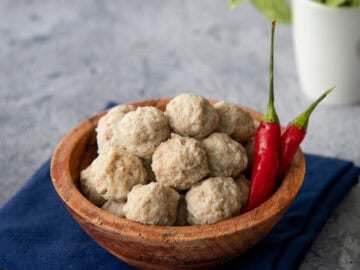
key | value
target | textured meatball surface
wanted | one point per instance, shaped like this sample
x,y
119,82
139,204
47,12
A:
x,y
226,157
249,147
150,173
114,207
235,121
88,180
244,186
152,204
114,173
179,162
141,131
212,200
192,115
107,125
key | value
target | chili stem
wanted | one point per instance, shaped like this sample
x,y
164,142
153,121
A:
x,y
302,120
270,115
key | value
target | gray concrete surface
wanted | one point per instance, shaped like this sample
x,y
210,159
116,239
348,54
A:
x,y
61,61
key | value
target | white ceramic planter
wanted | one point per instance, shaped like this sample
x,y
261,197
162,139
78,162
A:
x,y
327,49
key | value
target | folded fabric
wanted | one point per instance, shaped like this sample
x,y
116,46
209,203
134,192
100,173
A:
x,y
37,232
326,182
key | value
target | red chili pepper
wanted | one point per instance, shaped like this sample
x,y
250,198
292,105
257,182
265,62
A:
x,y
266,148
294,134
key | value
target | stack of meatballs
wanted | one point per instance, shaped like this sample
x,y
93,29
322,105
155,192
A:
x,y
184,166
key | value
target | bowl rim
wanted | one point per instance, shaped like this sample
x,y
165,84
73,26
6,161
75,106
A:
x,y
76,202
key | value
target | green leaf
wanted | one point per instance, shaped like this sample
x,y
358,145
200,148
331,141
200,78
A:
x,y
234,3
274,9
356,3
335,3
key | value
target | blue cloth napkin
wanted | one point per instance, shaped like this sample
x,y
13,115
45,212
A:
x,y
37,232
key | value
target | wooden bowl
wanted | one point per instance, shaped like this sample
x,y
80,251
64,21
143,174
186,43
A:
x,y
163,247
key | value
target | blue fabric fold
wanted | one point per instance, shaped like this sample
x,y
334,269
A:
x,y
326,182
37,232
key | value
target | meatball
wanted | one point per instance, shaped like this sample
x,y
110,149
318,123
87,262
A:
x,y
141,131
179,162
88,183
115,207
114,173
152,204
234,121
191,115
150,174
256,124
226,157
244,186
107,125
249,147
181,217
212,200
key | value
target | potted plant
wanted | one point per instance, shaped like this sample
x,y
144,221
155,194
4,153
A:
x,y
326,37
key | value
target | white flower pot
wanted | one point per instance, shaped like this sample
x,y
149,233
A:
x,y
327,50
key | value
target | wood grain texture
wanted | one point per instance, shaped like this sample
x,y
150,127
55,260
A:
x,y
163,247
